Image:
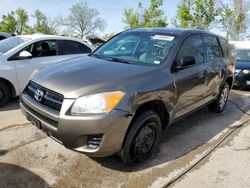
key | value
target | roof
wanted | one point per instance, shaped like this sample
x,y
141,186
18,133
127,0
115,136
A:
x,y
42,36
174,31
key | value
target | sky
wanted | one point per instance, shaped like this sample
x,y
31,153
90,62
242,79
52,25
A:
x,y
110,10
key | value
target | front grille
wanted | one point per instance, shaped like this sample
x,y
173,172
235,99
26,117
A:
x,y
50,98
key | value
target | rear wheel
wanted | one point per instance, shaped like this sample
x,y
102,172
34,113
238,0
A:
x,y
5,94
142,139
219,104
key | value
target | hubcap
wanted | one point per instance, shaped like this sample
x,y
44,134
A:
x,y
223,97
145,140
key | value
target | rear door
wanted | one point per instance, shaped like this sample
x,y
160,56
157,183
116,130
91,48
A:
x,y
213,63
190,82
70,49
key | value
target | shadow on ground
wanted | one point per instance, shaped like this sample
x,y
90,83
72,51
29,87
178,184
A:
x,y
12,105
184,136
16,176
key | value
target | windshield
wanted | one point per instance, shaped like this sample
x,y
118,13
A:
x,y
10,43
137,47
242,54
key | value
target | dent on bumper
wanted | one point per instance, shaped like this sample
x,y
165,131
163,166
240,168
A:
x,y
73,131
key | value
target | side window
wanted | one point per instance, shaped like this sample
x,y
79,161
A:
x,y
2,37
42,48
225,47
213,49
192,46
67,47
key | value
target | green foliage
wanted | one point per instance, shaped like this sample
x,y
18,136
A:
x,y
42,24
8,23
150,17
16,22
22,20
198,14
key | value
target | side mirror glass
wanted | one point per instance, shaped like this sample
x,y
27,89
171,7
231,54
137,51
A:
x,y
186,62
25,55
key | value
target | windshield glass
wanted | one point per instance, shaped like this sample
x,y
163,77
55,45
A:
x,y
10,43
137,47
242,54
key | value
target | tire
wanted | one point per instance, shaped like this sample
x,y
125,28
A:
x,y
142,138
220,103
5,94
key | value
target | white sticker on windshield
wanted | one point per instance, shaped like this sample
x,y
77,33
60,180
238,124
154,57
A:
x,y
163,37
157,62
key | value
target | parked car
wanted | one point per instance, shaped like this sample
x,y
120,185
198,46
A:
x,y
20,56
241,53
118,100
4,35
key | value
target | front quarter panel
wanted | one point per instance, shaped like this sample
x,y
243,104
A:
x,y
8,72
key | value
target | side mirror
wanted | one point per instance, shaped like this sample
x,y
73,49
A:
x,y
186,62
25,55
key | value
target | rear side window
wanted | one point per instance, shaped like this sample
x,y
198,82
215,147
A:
x,y
67,47
192,46
2,37
213,49
225,47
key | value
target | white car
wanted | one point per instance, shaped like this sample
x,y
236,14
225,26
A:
x,y
20,56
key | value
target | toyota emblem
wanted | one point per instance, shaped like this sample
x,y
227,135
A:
x,y
39,95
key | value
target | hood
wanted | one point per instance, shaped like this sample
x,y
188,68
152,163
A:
x,y
242,64
86,75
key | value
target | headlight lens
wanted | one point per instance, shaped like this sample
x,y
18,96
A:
x,y
245,71
97,103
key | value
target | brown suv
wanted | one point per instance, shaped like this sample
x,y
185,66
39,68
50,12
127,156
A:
x,y
119,98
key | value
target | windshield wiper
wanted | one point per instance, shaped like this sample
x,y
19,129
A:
x,y
95,55
118,60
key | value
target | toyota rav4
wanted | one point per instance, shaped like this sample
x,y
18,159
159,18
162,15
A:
x,y
118,99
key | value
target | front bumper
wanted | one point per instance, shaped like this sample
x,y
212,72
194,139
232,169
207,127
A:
x,y
76,132
242,80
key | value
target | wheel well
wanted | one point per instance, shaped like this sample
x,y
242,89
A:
x,y
10,85
158,106
229,80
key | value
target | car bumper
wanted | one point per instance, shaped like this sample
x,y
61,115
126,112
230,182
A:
x,y
94,135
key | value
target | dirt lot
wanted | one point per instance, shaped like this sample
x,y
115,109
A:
x,y
28,158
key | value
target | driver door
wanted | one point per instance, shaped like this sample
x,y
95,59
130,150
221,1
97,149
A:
x,y
43,53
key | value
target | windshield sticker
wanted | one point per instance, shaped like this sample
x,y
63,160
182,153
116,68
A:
x,y
157,62
163,37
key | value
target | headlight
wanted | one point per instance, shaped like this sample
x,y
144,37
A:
x,y
97,103
245,71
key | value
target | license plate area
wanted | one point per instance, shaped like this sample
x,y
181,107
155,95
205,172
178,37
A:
x,y
33,120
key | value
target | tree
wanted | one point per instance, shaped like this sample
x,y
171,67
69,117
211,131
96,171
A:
x,y
233,19
199,14
42,24
83,20
146,17
8,23
22,20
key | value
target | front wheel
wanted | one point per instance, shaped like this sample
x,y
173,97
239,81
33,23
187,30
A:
x,y
4,94
142,138
219,104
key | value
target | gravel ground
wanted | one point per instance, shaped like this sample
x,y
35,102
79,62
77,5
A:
x,y
28,158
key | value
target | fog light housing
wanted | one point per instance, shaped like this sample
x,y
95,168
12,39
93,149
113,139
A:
x,y
94,141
